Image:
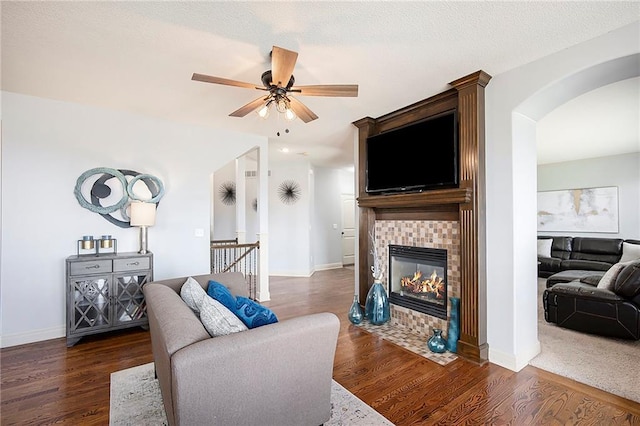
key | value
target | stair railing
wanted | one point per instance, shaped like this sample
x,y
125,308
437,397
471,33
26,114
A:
x,y
229,256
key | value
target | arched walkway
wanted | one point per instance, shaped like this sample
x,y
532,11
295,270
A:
x,y
515,101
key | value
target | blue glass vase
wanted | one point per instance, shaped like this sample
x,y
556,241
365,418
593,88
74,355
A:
x,y
453,334
355,312
376,308
436,343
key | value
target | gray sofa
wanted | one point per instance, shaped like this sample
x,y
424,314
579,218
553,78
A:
x,y
277,374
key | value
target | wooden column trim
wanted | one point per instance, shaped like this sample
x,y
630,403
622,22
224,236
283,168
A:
x,y
473,316
366,216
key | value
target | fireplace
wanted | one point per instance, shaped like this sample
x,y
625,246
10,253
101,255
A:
x,y
418,279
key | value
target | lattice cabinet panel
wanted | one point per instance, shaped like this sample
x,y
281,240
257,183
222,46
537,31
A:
x,y
104,293
130,304
91,303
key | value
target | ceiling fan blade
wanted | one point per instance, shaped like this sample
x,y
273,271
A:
x,y
341,90
301,110
219,80
244,110
282,63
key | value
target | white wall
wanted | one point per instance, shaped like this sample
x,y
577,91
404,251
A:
x,y
46,146
290,224
622,171
515,100
252,219
224,215
322,198
330,184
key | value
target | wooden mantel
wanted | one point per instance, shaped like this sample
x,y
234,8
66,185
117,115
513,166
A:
x,y
463,204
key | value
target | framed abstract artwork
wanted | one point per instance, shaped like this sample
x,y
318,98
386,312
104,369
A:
x,y
579,210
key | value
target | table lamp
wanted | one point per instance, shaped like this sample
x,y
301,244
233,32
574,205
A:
x,y
143,215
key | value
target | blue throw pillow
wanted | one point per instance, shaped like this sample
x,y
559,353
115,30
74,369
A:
x,y
252,313
222,295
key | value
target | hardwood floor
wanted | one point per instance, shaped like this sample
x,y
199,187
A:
x,y
47,383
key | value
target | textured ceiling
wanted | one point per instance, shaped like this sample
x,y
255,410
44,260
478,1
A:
x,y
139,56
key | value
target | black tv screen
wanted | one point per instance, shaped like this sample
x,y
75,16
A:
x,y
419,156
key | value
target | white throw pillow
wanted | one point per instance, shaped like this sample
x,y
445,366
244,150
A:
x,y
544,247
609,278
192,294
630,252
218,320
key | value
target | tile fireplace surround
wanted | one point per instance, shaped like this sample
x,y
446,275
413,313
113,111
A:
x,y
420,233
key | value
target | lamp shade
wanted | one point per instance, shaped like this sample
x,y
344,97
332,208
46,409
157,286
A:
x,y
143,214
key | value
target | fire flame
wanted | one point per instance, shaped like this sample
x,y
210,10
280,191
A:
x,y
433,285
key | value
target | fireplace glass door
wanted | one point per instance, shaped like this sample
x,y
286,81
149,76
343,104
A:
x,y
418,279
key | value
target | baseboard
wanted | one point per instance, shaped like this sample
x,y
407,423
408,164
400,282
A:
x,y
16,339
514,362
328,266
302,274
263,296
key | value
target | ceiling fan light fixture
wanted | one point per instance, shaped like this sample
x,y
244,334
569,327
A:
x,y
289,114
283,62
282,105
264,111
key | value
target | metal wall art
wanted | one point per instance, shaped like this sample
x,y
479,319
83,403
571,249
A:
x,y
289,192
113,181
227,193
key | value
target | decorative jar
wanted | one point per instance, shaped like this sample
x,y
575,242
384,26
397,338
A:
x,y
377,309
355,312
436,343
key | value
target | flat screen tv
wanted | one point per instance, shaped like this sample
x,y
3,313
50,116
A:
x,y
415,157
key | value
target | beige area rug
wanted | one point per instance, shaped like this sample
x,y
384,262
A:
x,y
610,364
135,401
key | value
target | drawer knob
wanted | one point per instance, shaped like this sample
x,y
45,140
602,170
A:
x,y
92,267
133,263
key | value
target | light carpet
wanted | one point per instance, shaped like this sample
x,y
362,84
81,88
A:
x,y
136,401
605,363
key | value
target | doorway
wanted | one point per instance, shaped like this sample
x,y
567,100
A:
x,y
348,229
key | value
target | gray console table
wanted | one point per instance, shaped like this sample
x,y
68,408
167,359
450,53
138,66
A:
x,y
104,293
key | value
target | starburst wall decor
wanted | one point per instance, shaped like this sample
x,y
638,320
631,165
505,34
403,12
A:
x,y
289,191
227,193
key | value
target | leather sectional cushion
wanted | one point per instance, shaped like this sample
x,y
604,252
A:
x,y
550,264
576,288
597,249
591,280
583,307
561,247
574,275
608,280
628,281
594,265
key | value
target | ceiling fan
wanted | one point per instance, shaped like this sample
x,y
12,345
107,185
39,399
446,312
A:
x,y
279,83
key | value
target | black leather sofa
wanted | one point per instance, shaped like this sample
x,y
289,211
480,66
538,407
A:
x,y
580,305
581,253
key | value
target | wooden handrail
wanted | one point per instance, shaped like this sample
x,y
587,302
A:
x,y
226,246
229,256
234,241
252,247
